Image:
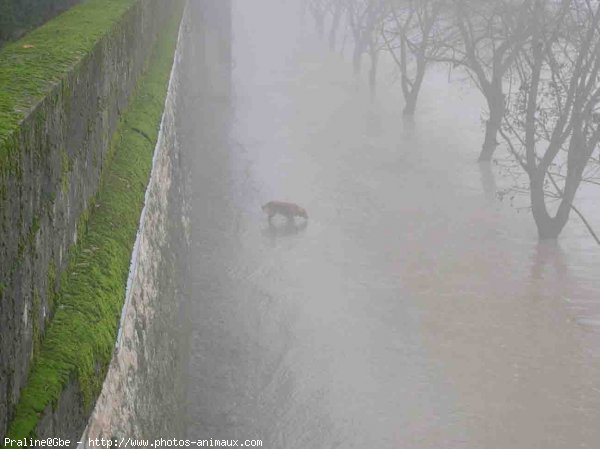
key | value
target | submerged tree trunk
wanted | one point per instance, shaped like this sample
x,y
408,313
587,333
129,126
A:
x,y
550,227
488,182
410,105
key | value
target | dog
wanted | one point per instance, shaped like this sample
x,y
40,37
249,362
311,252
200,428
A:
x,y
287,210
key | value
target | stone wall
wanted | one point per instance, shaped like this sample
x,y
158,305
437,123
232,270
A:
x,y
50,181
142,395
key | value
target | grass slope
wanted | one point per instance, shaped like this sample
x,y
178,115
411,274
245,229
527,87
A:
x,y
30,67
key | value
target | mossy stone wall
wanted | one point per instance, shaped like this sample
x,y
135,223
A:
x,y
143,392
56,122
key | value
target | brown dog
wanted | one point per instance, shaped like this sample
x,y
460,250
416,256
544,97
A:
x,y
288,210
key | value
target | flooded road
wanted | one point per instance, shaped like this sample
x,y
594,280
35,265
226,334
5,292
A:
x,y
413,310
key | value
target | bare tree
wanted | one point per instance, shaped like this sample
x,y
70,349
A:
x,y
408,33
364,17
485,38
552,126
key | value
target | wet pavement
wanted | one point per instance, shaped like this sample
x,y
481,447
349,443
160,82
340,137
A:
x,y
413,310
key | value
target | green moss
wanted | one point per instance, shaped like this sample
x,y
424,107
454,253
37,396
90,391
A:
x,y
28,240
19,16
82,223
27,75
79,341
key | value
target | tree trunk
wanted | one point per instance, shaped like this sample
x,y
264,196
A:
x,y
413,94
490,143
496,106
411,104
549,228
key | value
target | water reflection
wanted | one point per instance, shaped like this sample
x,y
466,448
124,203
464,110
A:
x,y
287,228
488,181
